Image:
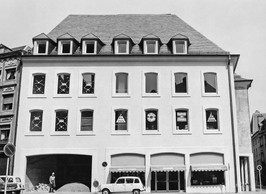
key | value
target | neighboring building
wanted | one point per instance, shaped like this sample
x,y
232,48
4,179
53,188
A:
x,y
258,126
142,95
10,69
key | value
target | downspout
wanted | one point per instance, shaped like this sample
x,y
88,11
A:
x,y
234,124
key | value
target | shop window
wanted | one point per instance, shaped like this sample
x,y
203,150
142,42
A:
x,y
122,47
4,133
88,83
151,83
89,47
63,83
210,83
180,82
65,47
8,101
207,178
10,74
121,83
86,120
61,120
36,120
182,119
212,122
151,47
38,84
121,120
151,119
180,47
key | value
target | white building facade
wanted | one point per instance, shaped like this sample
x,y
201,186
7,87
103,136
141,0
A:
x,y
113,102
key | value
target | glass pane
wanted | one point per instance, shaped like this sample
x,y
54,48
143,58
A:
x,y
36,121
61,121
173,180
210,84
161,181
88,83
63,84
121,120
90,47
181,120
151,120
38,84
211,119
86,120
10,74
180,46
42,48
122,46
151,83
180,82
151,46
121,83
66,47
207,178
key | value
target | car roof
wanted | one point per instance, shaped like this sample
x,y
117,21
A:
x,y
134,177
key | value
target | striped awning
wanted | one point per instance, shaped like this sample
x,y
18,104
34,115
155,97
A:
x,y
218,167
157,168
127,169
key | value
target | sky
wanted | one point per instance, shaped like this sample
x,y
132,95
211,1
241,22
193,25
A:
x,y
237,26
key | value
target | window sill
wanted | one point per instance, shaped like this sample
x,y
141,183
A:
x,y
155,132
120,133
182,132
121,96
212,132
62,96
151,96
210,95
34,134
180,95
87,96
86,133
37,96
60,133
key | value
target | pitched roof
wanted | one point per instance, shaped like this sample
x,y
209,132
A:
x,y
106,27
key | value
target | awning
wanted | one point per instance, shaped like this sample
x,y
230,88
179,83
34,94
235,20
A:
x,y
127,169
157,168
218,167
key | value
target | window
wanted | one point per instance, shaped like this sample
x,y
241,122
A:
x,y
121,47
4,133
180,47
210,83
151,119
38,84
151,85
89,47
40,47
150,47
182,119
212,122
207,178
180,83
36,120
120,181
88,83
0,74
86,120
121,120
63,84
61,120
121,83
8,101
65,47
10,74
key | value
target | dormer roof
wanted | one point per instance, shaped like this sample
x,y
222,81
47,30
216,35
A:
x,y
66,36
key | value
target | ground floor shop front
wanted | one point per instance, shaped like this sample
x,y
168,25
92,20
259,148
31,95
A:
x,y
161,170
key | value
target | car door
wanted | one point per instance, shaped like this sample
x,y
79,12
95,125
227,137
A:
x,y
129,184
119,185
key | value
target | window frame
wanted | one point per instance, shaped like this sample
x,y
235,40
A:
x,y
56,95
189,113
180,94
144,94
113,122
84,47
60,47
151,132
219,117
80,87
117,47
10,128
145,47
185,47
2,103
37,44
53,128
114,82
30,114
217,93
5,74
32,85
85,133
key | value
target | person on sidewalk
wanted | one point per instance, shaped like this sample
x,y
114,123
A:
x,y
52,183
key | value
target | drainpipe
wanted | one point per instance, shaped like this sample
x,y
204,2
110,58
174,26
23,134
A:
x,y
234,125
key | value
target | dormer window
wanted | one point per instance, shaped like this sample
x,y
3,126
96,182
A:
x,y
122,47
41,47
65,47
89,47
179,46
151,47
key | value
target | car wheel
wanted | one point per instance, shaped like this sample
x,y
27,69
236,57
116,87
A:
x,y
136,191
105,191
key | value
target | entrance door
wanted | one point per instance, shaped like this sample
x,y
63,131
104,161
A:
x,y
168,181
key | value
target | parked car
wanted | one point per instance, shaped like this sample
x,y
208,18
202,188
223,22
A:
x,y
14,184
123,185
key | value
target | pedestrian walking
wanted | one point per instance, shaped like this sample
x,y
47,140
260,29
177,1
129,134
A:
x,y
52,183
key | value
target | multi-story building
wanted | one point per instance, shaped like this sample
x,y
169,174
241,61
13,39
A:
x,y
258,126
10,69
143,95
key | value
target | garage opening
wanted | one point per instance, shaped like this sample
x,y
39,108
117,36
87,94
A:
x,y
73,172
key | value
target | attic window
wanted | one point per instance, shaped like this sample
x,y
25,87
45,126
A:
x,y
89,47
150,46
65,47
121,47
40,47
179,46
